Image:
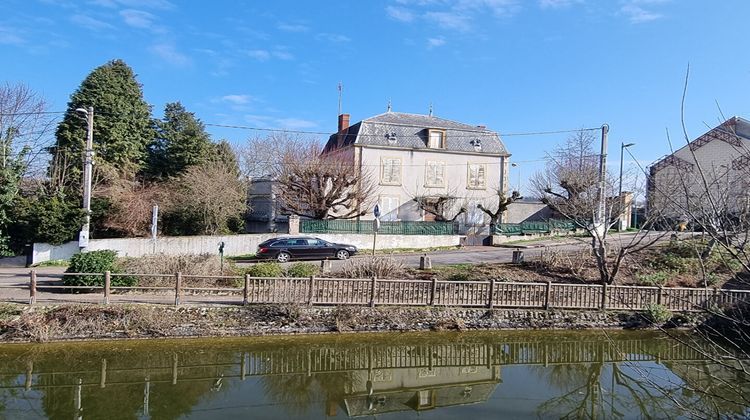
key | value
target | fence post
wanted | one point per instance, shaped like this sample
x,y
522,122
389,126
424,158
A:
x,y
311,291
433,291
177,288
547,294
658,296
373,286
604,296
715,298
491,294
32,287
107,284
246,290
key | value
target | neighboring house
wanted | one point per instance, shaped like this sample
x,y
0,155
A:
x,y
528,210
411,155
710,171
265,213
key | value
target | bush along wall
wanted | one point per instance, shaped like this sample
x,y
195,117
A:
x,y
95,262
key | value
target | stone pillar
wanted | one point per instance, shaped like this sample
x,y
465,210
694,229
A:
x,y
293,224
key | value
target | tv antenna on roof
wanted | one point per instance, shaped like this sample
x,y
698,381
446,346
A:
x,y
341,93
430,108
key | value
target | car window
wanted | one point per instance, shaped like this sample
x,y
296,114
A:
x,y
300,242
279,243
314,242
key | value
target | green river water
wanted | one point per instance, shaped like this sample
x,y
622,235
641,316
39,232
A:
x,y
434,375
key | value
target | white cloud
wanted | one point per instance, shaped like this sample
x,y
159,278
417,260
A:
x,y
637,14
237,99
146,4
449,20
260,55
453,14
291,123
557,4
292,27
335,38
400,13
10,36
90,23
169,53
140,19
435,42
265,55
283,55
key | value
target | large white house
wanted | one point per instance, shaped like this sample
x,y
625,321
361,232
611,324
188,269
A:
x,y
412,155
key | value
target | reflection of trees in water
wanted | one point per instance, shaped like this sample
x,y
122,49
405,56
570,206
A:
x,y
300,392
612,390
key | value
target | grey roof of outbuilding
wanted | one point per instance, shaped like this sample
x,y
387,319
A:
x,y
411,132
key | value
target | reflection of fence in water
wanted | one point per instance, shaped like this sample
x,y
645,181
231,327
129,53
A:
x,y
328,359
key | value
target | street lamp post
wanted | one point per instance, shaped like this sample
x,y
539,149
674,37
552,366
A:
x,y
83,236
623,146
515,165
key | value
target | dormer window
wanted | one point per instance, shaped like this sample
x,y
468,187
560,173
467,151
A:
x,y
436,139
477,143
391,137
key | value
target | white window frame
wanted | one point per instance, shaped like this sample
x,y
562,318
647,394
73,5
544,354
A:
x,y
480,182
443,135
434,167
389,214
394,176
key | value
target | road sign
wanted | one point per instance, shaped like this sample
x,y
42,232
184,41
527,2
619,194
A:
x,y
376,211
376,225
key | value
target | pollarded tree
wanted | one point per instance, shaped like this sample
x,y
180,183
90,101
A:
x,y
323,186
494,208
122,123
181,141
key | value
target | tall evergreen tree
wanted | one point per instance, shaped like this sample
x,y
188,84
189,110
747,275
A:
x,y
181,141
122,123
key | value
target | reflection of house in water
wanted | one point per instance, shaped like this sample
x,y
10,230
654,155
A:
x,y
392,390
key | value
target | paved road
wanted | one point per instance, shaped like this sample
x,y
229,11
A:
x,y
11,279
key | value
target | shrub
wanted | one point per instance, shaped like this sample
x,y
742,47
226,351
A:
x,y
459,276
95,262
302,270
657,314
659,278
265,269
198,265
380,267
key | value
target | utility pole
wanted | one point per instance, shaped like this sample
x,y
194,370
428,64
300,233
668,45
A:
x,y
601,224
83,236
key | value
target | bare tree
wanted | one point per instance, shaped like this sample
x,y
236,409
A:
x,y
212,192
264,156
133,203
570,186
326,186
24,118
445,206
497,205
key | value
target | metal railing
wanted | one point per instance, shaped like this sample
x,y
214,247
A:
x,y
386,227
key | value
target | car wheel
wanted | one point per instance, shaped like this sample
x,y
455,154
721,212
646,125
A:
x,y
342,254
283,257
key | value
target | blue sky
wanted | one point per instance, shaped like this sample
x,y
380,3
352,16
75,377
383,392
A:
x,y
513,65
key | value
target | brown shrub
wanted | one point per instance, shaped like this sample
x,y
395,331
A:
x,y
380,267
198,265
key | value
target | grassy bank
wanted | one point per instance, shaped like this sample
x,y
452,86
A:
x,y
19,323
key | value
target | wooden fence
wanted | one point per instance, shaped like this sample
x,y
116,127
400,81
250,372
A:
x,y
373,292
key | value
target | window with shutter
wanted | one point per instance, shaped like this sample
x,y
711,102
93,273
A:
x,y
434,174
389,208
477,176
390,171
436,139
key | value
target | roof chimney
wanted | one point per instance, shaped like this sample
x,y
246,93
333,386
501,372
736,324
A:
x,y
343,122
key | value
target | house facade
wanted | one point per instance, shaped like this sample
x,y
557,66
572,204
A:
x,y
709,174
412,156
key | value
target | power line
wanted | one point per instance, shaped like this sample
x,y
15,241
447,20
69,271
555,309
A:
x,y
326,133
